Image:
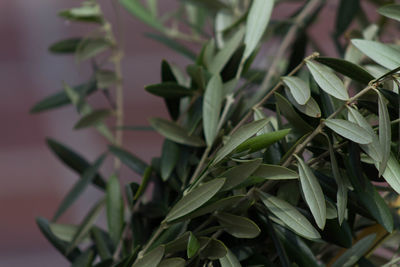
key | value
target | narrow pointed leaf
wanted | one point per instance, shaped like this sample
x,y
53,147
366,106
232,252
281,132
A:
x,y
230,260
238,137
172,44
86,224
130,160
65,232
175,132
298,88
390,11
385,132
381,53
312,193
151,259
212,103
87,177
66,46
349,130
374,149
274,172
85,259
101,242
392,173
169,158
288,214
145,181
139,11
172,262
193,246
169,90
257,21
327,80
347,68
73,160
238,174
195,199
115,209
261,141
238,226
93,118
352,255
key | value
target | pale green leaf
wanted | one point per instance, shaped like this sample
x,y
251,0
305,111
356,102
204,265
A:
x,y
138,10
238,137
374,149
298,88
385,132
238,174
349,130
93,118
91,47
151,259
289,215
327,80
390,11
223,56
382,54
353,254
310,108
313,194
195,199
392,173
274,172
257,21
65,232
175,132
230,260
238,226
212,103
115,209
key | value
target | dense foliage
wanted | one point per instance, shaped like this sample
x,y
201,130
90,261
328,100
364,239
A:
x,y
291,164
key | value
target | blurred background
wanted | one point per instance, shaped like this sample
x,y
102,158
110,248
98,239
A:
x,y
33,181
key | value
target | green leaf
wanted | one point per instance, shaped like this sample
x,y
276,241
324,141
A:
x,y
87,177
346,12
115,209
327,80
312,193
310,108
91,47
101,241
341,195
106,78
172,44
238,174
261,141
130,192
74,161
66,46
169,158
352,255
291,115
175,132
298,88
172,262
229,260
64,232
193,245
223,56
167,75
195,199
390,11
238,226
130,160
145,182
93,118
347,68
289,215
238,137
138,10
257,21
85,259
84,13
274,172
212,103
86,224
212,249
382,54
151,259
61,98
169,90
385,132
392,173
374,149
349,130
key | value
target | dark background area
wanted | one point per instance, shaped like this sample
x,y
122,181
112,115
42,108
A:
x,y
33,181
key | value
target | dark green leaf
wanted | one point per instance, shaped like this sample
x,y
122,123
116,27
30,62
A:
x,y
87,178
145,181
261,141
85,259
345,14
130,160
169,158
238,174
74,161
192,246
169,90
115,209
102,244
212,249
172,262
66,46
238,226
93,118
274,172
